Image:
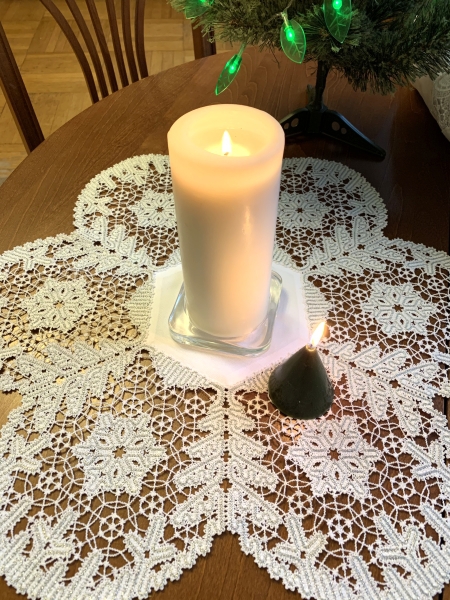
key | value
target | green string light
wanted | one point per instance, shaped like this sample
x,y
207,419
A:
x,y
195,8
229,72
293,39
290,33
338,17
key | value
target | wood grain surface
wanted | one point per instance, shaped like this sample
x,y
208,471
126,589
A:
x,y
37,201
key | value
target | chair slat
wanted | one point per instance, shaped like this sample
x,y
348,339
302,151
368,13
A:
x,y
17,97
139,37
127,39
112,19
76,46
202,46
74,9
103,44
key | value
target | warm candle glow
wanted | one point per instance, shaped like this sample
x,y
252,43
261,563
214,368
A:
x,y
226,144
317,334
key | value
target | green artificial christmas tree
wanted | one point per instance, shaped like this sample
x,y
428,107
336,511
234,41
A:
x,y
376,44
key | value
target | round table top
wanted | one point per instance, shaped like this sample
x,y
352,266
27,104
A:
x,y
37,200
414,179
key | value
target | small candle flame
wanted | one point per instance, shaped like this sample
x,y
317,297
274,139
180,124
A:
x,y
226,144
317,334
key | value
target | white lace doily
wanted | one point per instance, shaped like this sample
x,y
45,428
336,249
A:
x,y
113,468
436,95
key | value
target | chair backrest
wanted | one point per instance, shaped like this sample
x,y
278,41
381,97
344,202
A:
x,y
12,83
134,53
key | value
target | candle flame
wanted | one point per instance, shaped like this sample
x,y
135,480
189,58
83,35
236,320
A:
x,y
226,144
317,334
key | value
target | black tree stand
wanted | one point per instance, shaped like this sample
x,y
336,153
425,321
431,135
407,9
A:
x,y
316,118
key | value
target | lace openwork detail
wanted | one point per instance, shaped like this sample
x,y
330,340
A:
x,y
58,304
120,465
118,454
441,102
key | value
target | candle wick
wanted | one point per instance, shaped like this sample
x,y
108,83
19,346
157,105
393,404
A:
x,y
226,153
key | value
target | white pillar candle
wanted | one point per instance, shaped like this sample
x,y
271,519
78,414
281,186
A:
x,y
226,209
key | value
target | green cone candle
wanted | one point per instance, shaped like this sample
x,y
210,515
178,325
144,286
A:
x,y
300,387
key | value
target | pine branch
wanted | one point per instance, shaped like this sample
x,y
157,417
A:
x,y
390,42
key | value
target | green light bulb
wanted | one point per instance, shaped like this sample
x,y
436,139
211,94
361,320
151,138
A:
x,y
229,71
338,17
195,8
293,39
290,33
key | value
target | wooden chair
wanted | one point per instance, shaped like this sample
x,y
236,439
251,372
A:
x,y
134,69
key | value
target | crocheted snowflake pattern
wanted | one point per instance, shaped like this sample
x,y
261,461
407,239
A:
x,y
399,308
304,210
335,457
121,464
155,210
58,304
18,454
118,454
129,214
340,529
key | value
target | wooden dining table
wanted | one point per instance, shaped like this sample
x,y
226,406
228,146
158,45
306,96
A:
x,y
37,201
